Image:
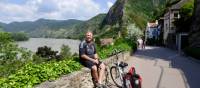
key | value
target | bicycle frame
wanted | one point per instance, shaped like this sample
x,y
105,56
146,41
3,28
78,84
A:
x,y
119,69
122,76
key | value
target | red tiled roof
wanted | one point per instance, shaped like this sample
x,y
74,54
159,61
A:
x,y
152,25
106,41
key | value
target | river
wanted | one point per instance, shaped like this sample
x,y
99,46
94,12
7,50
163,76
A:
x,y
33,43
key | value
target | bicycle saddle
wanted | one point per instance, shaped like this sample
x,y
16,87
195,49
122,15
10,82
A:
x,y
123,64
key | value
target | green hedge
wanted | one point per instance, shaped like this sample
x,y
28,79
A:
x,y
120,44
193,52
32,74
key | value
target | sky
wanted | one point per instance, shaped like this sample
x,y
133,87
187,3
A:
x,y
31,10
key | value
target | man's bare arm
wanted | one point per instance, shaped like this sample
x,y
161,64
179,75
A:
x,y
86,57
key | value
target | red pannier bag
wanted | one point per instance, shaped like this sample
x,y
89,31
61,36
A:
x,y
132,79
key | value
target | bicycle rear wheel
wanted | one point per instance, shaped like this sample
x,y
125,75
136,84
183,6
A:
x,y
116,76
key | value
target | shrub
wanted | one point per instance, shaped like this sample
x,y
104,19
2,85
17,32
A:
x,y
32,74
193,52
134,32
65,51
75,55
120,44
19,36
46,52
38,59
5,38
11,57
97,40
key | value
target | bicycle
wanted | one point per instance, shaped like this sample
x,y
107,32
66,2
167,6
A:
x,y
106,80
117,71
120,78
126,79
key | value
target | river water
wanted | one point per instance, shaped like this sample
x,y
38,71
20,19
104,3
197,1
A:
x,y
55,44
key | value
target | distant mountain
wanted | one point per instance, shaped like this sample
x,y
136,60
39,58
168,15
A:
x,y
92,24
2,24
41,24
28,26
1,29
55,28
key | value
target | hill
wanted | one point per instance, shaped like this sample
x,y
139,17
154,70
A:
x,y
40,27
92,24
126,13
55,28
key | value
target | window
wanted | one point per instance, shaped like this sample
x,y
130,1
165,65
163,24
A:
x,y
172,28
176,15
166,26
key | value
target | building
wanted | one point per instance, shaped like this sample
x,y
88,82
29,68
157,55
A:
x,y
152,30
169,30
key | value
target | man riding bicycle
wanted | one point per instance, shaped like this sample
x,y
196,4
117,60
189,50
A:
x,y
89,58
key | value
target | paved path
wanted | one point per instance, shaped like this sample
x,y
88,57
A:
x,y
164,68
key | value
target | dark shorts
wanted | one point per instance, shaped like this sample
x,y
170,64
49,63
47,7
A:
x,y
89,64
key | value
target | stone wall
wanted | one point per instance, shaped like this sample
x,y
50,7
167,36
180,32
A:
x,y
79,79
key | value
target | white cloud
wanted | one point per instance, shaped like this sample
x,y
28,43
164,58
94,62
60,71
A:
x,y
109,4
50,9
10,12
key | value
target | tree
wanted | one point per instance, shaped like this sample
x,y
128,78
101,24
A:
x,y
20,36
46,52
186,12
5,38
65,51
195,28
11,57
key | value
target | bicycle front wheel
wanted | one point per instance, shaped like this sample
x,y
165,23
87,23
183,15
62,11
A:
x,y
116,76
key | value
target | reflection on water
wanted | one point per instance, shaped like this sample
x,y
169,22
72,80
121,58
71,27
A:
x,y
55,44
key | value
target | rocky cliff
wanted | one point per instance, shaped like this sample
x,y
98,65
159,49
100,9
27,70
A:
x,y
126,12
115,13
126,17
